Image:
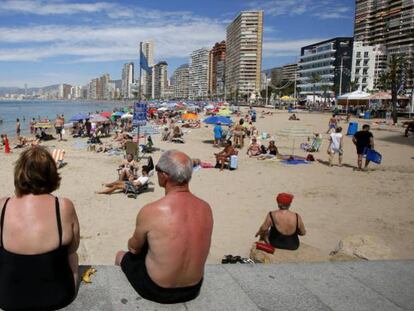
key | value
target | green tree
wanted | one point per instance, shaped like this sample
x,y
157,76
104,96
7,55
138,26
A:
x,y
391,80
353,85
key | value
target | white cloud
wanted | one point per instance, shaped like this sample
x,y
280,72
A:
x,y
323,9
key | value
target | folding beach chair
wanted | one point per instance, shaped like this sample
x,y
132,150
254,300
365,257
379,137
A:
x,y
132,148
58,155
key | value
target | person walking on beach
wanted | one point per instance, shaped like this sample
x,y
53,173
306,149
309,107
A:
x,y
336,146
363,140
218,134
171,240
6,143
18,129
59,126
39,238
333,122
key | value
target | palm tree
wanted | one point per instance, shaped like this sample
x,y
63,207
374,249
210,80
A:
x,y
392,79
353,85
314,79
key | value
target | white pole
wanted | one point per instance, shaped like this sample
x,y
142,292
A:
x,y
294,91
267,87
340,77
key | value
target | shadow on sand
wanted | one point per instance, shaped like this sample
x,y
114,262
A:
x,y
399,139
326,163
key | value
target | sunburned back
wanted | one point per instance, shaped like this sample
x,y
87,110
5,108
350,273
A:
x,y
179,240
30,225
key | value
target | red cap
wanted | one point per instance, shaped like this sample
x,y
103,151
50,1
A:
x,y
284,198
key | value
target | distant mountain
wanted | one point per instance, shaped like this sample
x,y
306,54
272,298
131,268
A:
x,y
19,90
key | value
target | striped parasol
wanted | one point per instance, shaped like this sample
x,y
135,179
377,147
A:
x,y
295,132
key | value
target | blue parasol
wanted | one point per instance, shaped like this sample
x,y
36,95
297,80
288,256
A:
x,y
79,117
215,119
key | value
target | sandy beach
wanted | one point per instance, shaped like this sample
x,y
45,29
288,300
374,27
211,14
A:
x,y
334,202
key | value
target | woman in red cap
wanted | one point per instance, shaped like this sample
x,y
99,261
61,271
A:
x,y
282,228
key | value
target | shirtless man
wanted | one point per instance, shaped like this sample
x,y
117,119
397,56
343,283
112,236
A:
x,y
333,122
59,122
171,240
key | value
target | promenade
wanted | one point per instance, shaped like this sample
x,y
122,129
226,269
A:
x,y
359,285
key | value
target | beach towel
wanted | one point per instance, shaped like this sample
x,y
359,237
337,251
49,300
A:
x,y
58,155
295,162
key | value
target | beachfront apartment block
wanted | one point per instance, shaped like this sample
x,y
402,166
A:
x,y
244,41
217,61
199,74
147,83
127,80
368,63
387,26
160,74
325,67
180,82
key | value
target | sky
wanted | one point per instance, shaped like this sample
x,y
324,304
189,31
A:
x,y
44,42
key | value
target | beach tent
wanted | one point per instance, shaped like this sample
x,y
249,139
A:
x,y
355,98
215,119
79,117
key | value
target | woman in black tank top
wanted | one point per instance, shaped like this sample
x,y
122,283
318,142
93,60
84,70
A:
x,y
269,232
43,281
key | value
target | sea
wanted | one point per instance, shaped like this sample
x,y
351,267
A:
x,y
25,110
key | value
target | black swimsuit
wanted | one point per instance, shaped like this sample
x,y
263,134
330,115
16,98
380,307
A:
x,y
35,282
281,241
136,272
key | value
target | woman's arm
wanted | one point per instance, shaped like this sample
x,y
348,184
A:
x,y
302,230
73,245
262,233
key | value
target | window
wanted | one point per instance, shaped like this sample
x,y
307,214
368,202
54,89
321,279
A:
x,y
366,54
358,54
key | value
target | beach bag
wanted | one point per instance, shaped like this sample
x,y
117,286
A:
x,y
265,247
233,162
374,156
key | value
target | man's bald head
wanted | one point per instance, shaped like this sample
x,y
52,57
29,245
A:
x,y
177,165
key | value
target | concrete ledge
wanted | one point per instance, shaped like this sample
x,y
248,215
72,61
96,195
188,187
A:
x,y
362,285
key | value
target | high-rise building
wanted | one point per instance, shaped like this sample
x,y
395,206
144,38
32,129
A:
x,y
180,82
160,80
217,69
289,72
198,74
244,53
127,80
147,49
387,22
368,63
330,61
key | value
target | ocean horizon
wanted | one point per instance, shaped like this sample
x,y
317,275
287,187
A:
x,y
25,110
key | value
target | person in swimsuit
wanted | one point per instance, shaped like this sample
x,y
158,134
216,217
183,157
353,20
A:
x,y
129,185
333,122
363,141
39,237
18,128
238,134
224,156
282,228
254,148
171,240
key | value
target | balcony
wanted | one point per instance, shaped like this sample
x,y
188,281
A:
x,y
311,54
317,61
329,67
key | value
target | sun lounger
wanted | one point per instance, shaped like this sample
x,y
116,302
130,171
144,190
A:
x,y
58,155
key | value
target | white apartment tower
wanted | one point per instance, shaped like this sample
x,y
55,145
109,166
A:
x,y
127,80
180,82
147,78
244,53
368,63
199,74
160,80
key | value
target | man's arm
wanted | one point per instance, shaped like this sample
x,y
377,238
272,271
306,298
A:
x,y
371,142
139,236
354,140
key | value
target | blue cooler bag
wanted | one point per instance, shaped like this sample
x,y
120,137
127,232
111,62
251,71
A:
x,y
233,162
374,156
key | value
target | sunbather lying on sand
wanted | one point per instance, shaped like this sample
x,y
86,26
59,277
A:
x,y
126,185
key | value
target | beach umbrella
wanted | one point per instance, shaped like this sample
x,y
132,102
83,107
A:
x,y
209,107
215,119
162,109
106,114
79,117
294,133
224,112
189,116
118,114
127,116
96,118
